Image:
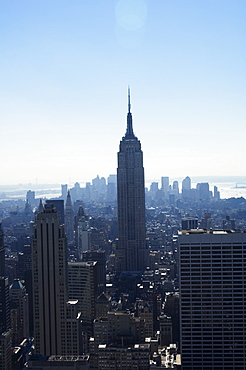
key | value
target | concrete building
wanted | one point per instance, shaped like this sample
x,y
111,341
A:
x,y
132,252
5,350
30,197
82,232
5,332
82,284
186,187
203,192
212,273
19,312
59,362
50,294
125,358
165,185
69,219
2,252
97,255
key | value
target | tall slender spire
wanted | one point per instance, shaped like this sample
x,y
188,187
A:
x,y
129,101
129,131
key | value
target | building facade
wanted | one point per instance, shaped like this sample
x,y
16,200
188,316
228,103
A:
x,y
50,292
212,274
131,253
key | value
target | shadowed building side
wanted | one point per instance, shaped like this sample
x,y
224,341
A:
x,y
131,253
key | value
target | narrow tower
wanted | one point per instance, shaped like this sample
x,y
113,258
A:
x,y
2,253
131,254
69,219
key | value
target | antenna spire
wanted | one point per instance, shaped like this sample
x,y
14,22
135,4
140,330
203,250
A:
x,y
129,131
129,101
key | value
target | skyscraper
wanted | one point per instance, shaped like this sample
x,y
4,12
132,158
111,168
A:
x,y
5,332
69,218
212,273
52,312
131,253
2,252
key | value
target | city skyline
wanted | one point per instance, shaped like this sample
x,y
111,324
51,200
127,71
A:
x,y
65,69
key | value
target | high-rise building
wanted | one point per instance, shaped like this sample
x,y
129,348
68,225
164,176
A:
x,y
82,232
131,253
19,312
186,187
203,192
111,188
4,304
165,184
97,255
2,252
52,312
69,219
64,192
212,275
30,197
82,282
5,332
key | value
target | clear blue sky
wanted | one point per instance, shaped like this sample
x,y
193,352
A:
x,y
64,71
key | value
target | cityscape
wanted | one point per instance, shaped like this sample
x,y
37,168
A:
x,y
114,275
122,210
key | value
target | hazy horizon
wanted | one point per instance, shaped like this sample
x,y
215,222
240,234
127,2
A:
x,y
194,179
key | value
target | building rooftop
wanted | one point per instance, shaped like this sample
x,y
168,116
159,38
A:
x,y
214,232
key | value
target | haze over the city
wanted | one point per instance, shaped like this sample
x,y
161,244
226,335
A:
x,y
65,67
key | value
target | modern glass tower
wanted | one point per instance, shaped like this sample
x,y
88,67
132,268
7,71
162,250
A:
x,y
131,253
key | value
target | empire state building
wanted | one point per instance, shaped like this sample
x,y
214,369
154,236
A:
x,y
131,253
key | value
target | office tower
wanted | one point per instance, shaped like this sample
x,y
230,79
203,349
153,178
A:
x,y
111,188
2,252
5,332
153,191
82,232
112,179
30,197
98,256
165,184
49,251
203,192
19,312
4,300
64,192
212,275
186,187
176,188
82,286
165,330
216,193
131,253
24,272
69,219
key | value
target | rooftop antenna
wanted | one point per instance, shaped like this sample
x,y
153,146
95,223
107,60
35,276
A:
x,y
129,102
